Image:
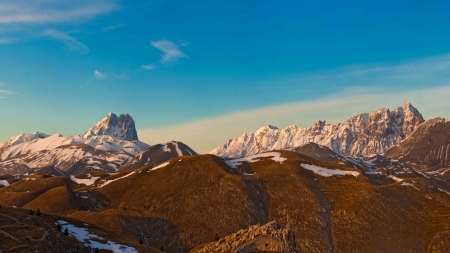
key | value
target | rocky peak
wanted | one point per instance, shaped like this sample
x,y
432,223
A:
x,y
363,134
119,127
407,117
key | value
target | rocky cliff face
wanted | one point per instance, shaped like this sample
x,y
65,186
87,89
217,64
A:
x,y
367,133
270,237
121,127
428,145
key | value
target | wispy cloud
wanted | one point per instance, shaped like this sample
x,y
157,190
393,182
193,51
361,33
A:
x,y
99,75
423,82
31,19
7,40
70,42
109,75
112,27
148,66
171,51
8,92
336,108
51,12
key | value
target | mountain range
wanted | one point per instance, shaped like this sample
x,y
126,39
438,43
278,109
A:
x,y
379,182
364,134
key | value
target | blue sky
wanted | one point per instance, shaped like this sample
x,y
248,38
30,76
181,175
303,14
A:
x,y
217,68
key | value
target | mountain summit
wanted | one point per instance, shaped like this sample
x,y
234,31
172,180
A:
x,y
121,127
364,134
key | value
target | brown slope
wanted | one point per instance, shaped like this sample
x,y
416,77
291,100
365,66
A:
x,y
25,233
194,200
428,146
158,154
25,190
58,200
189,201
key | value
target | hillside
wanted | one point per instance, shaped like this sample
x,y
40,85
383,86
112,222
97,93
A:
x,y
191,201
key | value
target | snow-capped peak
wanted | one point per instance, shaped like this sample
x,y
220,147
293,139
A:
x,y
367,133
22,138
120,127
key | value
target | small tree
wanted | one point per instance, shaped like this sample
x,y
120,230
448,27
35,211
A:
x,y
96,250
140,241
38,213
66,231
31,212
58,227
162,248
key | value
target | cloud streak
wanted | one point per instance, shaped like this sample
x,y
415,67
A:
x,y
171,51
70,42
5,41
98,75
205,134
51,12
109,75
148,66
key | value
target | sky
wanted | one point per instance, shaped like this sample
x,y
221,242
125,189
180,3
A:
x,y
203,72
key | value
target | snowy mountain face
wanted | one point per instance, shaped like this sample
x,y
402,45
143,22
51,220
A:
x,y
22,138
121,127
158,154
364,134
74,153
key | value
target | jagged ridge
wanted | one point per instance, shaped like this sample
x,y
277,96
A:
x,y
367,133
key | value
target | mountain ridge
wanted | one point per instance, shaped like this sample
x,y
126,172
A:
x,y
363,134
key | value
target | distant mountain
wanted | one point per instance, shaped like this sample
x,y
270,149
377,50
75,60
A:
x,y
121,128
428,146
107,146
159,153
22,138
364,134
318,152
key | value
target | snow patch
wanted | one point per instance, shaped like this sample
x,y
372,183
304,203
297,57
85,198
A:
x,y
177,149
395,178
325,172
256,158
160,166
112,166
88,239
442,190
165,148
110,181
87,181
4,183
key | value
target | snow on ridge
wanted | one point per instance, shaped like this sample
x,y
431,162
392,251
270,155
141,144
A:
x,y
4,183
110,181
87,181
276,156
160,166
395,178
165,148
104,143
325,172
90,239
177,149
